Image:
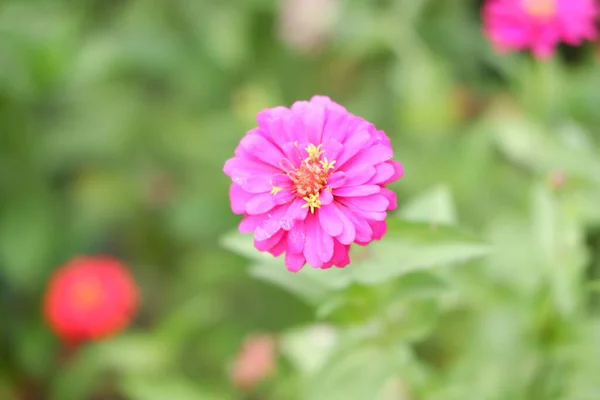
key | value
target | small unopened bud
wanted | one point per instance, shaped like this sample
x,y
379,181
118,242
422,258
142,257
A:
x,y
557,180
255,362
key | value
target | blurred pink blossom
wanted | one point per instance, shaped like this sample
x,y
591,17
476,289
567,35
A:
x,y
306,25
255,362
539,24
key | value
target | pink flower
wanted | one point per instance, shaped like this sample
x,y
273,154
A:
x,y
310,181
539,24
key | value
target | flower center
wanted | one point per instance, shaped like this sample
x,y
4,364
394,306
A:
x,y
311,176
540,8
87,293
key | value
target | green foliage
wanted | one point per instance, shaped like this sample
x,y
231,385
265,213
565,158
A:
x,y
116,118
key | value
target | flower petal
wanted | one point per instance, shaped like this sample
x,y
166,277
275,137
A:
x,y
262,149
325,245
254,183
239,198
391,197
280,247
281,180
250,222
373,155
330,220
311,245
293,156
398,171
296,238
260,204
353,146
326,197
314,120
356,191
269,243
341,256
284,196
296,210
384,172
374,202
243,163
294,262
360,175
336,126
332,149
336,179
349,230
364,233
379,229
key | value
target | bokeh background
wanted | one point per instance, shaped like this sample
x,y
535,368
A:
x,y
116,117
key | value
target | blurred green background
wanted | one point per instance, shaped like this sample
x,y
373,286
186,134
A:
x,y
116,117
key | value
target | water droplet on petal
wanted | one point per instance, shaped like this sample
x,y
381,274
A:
x,y
296,237
240,180
287,223
271,226
261,234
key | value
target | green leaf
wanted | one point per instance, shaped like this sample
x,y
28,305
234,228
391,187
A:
x,y
356,374
243,244
544,150
34,349
310,284
331,304
560,243
409,247
309,348
127,354
435,205
26,240
133,353
583,383
303,285
411,320
6,391
161,388
418,285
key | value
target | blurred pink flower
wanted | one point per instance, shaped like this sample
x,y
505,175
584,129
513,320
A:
x,y
539,24
557,180
255,362
306,25
310,181
90,298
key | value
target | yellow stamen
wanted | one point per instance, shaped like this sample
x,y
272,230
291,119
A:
x,y
314,152
327,166
540,8
312,201
276,189
310,177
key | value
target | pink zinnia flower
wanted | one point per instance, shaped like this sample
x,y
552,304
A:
x,y
539,24
310,181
